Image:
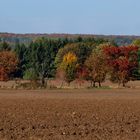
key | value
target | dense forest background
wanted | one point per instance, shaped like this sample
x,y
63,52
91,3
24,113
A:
x,y
27,38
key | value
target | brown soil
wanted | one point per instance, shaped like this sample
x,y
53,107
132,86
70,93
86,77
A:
x,y
112,114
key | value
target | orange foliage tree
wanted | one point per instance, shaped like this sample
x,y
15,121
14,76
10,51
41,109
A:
x,y
8,64
96,67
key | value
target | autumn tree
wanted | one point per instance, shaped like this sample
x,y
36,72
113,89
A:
x,y
81,50
136,42
8,64
122,61
96,67
68,66
81,74
137,72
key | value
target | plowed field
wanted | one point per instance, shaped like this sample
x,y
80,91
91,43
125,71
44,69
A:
x,y
111,114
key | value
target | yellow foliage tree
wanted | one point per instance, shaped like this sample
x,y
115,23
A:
x,y
69,58
68,66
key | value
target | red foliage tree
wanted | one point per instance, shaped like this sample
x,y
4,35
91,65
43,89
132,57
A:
x,y
8,63
122,62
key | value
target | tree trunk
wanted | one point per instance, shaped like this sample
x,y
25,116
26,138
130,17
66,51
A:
x,y
123,84
94,84
42,81
119,83
99,84
91,83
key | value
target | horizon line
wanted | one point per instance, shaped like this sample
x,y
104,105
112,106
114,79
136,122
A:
x,y
87,34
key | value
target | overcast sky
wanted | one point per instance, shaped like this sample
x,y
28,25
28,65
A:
x,y
120,17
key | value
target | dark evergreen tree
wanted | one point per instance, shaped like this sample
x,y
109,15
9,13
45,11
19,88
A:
x,y
4,46
20,50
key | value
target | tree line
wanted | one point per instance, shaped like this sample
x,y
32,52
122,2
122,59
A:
x,y
90,59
